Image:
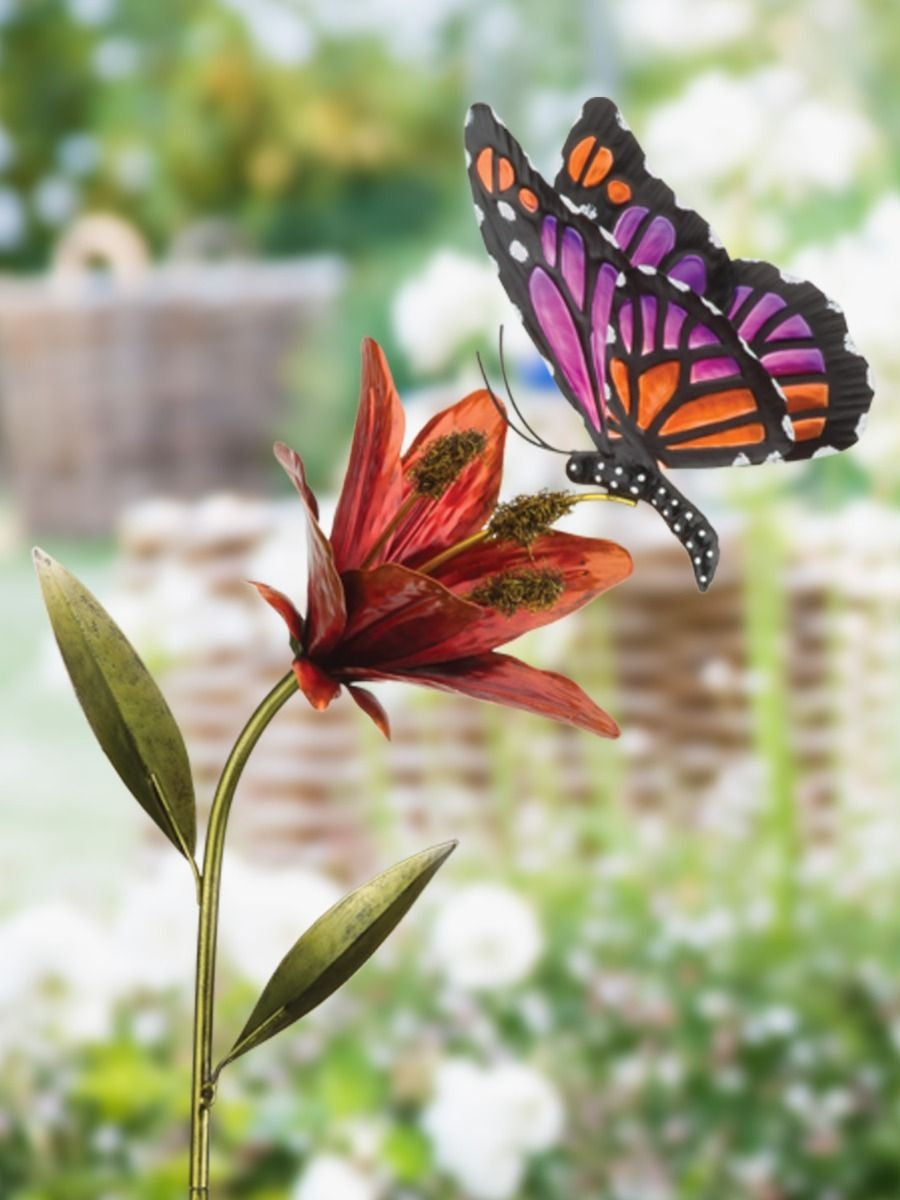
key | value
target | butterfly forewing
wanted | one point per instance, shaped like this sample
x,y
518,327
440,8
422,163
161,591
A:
x,y
604,173
558,270
801,338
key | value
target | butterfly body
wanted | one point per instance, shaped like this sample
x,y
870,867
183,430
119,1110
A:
x,y
674,354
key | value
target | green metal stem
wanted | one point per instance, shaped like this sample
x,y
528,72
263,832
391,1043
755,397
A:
x,y
202,1085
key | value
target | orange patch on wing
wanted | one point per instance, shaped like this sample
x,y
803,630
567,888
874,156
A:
x,y
589,163
743,435
528,199
484,165
708,410
655,389
801,396
619,373
506,176
618,191
810,428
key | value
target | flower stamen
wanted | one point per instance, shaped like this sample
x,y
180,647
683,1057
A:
x,y
510,591
444,459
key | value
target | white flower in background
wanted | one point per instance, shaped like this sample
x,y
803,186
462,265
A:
x,y
79,153
55,200
486,936
485,1121
153,928
767,126
861,270
277,28
264,911
329,1177
678,27
133,168
91,12
454,299
12,219
116,58
58,976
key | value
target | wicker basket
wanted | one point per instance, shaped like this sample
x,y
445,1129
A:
x,y
144,379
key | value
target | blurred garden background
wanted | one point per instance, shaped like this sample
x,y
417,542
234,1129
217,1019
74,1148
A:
x,y
666,968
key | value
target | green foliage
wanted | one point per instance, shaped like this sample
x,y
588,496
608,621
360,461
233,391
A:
x,y
336,946
125,708
175,114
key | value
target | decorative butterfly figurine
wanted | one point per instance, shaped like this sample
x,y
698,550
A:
x,y
674,354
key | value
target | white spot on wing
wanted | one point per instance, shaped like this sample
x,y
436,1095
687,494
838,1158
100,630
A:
x,y
833,306
679,283
825,451
715,241
621,122
740,460
775,456
468,158
787,426
861,424
620,279
610,335
570,204
470,117
479,214
849,344
646,269
518,251
870,378
589,210
506,211
787,277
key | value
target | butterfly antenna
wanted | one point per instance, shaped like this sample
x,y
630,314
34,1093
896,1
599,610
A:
x,y
533,438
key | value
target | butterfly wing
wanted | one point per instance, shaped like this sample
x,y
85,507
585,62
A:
x,y
801,338
560,275
604,174
641,356
682,378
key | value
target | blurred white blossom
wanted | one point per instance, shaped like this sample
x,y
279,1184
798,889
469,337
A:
x,y
277,28
486,936
329,1177
55,199
768,126
92,12
485,1121
78,153
58,977
453,300
12,219
264,911
116,58
678,27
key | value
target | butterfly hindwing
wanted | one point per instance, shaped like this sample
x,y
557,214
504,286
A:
x,y
685,381
604,173
801,338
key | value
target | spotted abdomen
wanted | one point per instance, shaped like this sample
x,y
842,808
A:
x,y
644,481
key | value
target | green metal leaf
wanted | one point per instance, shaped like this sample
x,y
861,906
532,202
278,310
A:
x,y
125,708
336,946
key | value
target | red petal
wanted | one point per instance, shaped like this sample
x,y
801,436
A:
x,y
505,680
319,689
588,566
373,480
399,616
371,707
284,607
432,525
326,613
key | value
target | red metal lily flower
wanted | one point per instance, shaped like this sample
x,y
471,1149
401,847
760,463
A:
x,y
410,585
